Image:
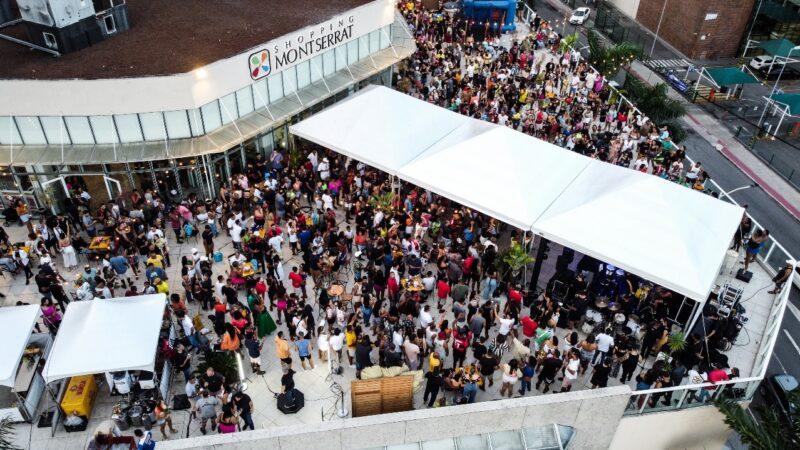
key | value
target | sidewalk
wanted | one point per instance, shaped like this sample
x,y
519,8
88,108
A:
x,y
707,126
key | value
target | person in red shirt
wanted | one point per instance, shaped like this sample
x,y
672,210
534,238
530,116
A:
x,y
393,288
514,294
298,281
529,326
442,292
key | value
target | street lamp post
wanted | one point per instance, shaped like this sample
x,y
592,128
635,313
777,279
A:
x,y
658,28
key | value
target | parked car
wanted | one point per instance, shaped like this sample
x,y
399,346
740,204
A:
x,y
775,390
580,16
789,73
764,61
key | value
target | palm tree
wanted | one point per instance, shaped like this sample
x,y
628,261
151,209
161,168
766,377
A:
x,y
609,60
654,102
770,433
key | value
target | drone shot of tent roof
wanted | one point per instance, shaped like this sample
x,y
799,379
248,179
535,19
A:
x,y
127,38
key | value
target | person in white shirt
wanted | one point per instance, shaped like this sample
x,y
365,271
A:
x,y
275,242
322,344
604,344
324,169
236,235
506,323
337,343
327,201
425,317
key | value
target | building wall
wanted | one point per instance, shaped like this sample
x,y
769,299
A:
x,y
695,428
700,29
629,7
593,414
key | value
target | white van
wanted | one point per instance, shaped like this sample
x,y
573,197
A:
x,y
764,61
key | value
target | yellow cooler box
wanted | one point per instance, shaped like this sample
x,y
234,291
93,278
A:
x,y
80,395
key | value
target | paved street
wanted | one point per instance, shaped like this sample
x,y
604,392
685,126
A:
x,y
763,207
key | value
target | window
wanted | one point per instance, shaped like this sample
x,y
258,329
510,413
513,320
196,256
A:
x,y
303,75
289,81
363,47
228,108
79,130
260,94
275,83
341,57
128,128
244,100
374,41
104,130
352,52
8,132
211,117
328,62
50,40
177,123
195,122
54,130
316,68
386,34
31,130
111,26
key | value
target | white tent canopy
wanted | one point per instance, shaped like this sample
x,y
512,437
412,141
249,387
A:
x,y
16,325
643,224
111,335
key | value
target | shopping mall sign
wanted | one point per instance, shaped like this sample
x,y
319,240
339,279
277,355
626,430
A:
x,y
301,46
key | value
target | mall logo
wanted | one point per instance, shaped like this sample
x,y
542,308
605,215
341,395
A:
x,y
259,64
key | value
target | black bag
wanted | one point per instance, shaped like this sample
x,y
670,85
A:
x,y
180,402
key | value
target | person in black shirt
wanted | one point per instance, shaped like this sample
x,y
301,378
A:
x,y
208,241
244,404
547,374
488,364
363,355
601,372
212,381
287,380
432,386
182,361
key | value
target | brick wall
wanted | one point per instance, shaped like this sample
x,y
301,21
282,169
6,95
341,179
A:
x,y
685,26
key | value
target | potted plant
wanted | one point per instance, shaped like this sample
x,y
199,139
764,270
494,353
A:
x,y
515,259
382,201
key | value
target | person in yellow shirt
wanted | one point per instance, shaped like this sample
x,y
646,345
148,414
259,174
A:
x,y
162,287
350,338
282,349
156,260
434,361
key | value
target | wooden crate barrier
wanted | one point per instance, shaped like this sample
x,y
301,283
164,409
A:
x,y
382,395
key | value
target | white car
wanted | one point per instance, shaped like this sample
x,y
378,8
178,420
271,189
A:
x,y
579,16
764,61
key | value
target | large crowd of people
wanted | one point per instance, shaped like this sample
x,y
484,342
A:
x,y
323,257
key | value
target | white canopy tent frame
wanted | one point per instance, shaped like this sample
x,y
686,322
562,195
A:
x,y
17,325
102,336
534,185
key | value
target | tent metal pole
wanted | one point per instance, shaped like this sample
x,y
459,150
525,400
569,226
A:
x,y
697,311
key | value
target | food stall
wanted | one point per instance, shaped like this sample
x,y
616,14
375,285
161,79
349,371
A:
x,y
112,341
22,356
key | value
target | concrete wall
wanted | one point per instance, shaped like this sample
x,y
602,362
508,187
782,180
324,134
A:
x,y
700,29
629,7
593,414
695,428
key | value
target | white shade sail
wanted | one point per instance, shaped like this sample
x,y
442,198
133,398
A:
x,y
402,127
654,228
503,173
651,227
16,325
111,335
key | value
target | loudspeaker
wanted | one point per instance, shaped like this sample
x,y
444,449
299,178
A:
x,y
291,402
744,275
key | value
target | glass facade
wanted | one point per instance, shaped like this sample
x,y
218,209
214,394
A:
x,y
164,125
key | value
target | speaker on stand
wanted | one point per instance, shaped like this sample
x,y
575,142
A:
x,y
291,402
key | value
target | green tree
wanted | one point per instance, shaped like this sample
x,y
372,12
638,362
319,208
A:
x,y
654,102
770,433
610,60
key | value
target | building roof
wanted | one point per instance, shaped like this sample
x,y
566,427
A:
x,y
729,76
168,37
790,100
781,47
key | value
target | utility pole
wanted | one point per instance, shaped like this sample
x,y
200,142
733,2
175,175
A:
x,y
658,28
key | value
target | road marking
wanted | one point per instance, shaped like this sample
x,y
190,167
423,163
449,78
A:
x,y
792,341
